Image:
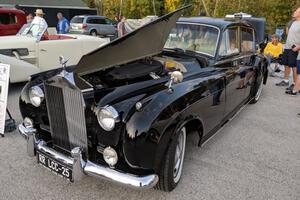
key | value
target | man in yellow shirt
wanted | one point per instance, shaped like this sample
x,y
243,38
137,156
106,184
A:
x,y
272,52
273,48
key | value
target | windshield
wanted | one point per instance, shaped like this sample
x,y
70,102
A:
x,y
77,20
194,37
32,30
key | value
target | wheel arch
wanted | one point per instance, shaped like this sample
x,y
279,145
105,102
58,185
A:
x,y
192,123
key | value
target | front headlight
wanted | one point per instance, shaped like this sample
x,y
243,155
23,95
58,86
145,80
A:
x,y
36,96
107,117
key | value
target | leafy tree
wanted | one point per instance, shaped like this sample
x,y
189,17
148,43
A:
x,y
277,12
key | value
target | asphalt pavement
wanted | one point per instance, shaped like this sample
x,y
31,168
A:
x,y
255,156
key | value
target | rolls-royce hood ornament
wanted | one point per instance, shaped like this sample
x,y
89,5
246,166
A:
x,y
145,41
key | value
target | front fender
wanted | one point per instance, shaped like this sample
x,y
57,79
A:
x,y
149,131
19,70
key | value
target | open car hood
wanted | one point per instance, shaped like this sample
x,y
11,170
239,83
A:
x,y
143,42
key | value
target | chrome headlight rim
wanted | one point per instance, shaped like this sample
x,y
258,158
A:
x,y
111,114
36,95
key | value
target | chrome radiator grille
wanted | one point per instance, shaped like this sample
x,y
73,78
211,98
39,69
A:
x,y
66,116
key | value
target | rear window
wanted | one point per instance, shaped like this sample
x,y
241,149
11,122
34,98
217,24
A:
x,y
7,18
77,20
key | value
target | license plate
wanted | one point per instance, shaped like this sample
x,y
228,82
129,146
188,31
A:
x,y
54,166
75,27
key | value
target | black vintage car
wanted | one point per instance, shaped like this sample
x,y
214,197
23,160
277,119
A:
x,y
124,112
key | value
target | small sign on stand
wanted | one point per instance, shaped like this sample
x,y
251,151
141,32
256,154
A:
x,y
4,84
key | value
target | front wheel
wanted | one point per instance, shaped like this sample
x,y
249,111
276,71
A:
x,y
171,169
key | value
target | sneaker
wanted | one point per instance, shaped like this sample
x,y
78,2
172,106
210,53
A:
x,y
290,87
291,92
282,83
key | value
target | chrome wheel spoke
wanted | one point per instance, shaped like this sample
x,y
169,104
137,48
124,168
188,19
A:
x,y
179,155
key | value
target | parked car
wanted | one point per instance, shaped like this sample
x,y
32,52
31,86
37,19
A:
x,y
93,25
31,52
11,20
124,112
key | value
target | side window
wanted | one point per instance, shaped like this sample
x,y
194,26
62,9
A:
x,y
7,18
248,41
101,21
91,21
108,21
230,43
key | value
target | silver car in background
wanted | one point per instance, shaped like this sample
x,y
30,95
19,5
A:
x,y
93,25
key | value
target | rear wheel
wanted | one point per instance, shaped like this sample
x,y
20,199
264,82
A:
x,y
171,169
257,92
93,33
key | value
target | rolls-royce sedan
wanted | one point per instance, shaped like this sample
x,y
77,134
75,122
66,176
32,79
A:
x,y
123,113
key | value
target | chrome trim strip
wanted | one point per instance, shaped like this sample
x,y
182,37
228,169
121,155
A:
x,y
81,168
140,182
42,147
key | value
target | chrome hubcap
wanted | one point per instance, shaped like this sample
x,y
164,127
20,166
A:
x,y
179,155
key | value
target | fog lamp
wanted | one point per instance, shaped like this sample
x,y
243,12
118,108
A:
x,y
28,123
110,156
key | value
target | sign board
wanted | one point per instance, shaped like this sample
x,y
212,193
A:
x,y
4,83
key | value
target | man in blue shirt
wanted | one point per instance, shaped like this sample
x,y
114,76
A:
x,y
63,24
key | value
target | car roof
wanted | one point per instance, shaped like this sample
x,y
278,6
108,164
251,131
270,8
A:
x,y
11,10
217,22
98,16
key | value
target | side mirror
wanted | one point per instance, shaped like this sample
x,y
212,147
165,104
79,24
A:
x,y
176,77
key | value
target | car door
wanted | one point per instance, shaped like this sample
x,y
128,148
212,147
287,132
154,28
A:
x,y
248,50
230,59
50,50
105,28
111,29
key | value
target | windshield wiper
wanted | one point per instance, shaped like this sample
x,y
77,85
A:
x,y
181,51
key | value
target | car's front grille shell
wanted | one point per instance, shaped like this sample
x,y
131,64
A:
x,y
65,108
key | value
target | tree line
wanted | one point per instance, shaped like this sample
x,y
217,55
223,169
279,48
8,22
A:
x,y
277,12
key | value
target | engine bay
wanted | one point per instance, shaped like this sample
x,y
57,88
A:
x,y
137,71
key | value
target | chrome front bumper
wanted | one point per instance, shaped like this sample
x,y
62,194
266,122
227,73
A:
x,y
81,167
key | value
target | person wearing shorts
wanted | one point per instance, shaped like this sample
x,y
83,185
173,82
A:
x,y
289,60
294,91
295,38
289,57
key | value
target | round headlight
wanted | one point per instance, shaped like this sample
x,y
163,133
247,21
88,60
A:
x,y
110,156
107,117
36,96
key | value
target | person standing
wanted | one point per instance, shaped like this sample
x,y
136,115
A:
x,y
63,25
289,56
29,18
296,48
40,22
121,27
25,28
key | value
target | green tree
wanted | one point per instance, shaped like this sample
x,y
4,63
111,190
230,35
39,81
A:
x,y
277,12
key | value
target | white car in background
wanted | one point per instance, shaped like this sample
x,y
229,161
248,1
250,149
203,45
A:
x,y
32,51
